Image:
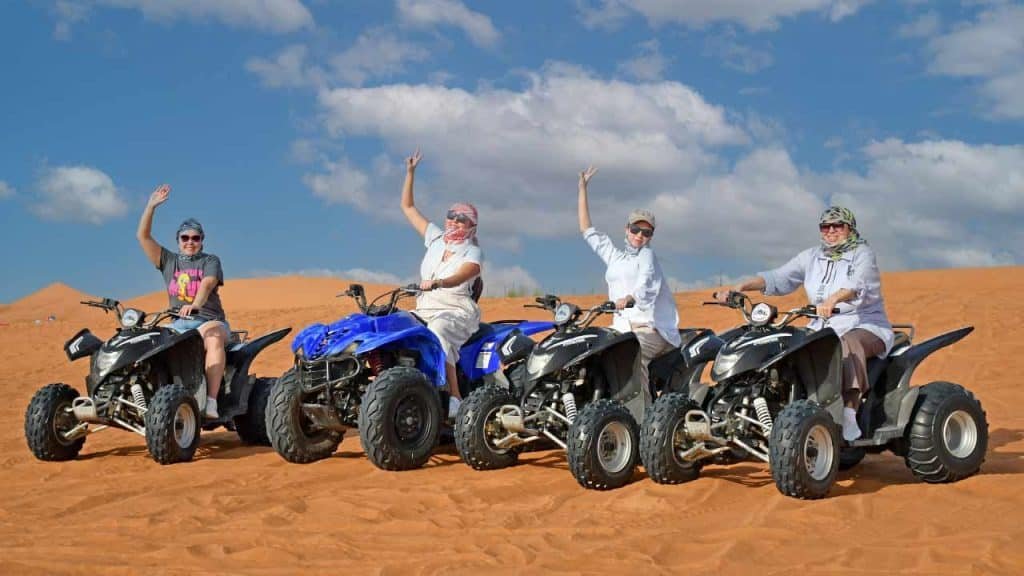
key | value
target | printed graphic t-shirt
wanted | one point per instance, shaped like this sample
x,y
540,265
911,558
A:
x,y
183,274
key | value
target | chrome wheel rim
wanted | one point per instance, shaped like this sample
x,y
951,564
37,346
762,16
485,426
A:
x,y
818,452
960,434
614,447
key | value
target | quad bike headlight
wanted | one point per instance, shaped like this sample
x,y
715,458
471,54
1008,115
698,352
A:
x,y
563,313
131,318
762,314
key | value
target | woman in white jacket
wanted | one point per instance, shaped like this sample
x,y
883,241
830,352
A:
x,y
634,275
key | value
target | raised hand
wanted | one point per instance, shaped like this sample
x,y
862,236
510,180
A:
x,y
413,161
159,196
586,175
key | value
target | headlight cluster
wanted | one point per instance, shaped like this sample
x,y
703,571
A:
x,y
563,313
131,318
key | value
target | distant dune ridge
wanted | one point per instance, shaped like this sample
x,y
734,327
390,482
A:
x,y
244,510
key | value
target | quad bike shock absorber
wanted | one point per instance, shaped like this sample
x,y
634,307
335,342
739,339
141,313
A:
x,y
138,396
763,415
378,362
569,401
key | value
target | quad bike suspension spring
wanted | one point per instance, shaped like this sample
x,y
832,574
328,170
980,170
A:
x,y
763,415
138,396
377,361
569,401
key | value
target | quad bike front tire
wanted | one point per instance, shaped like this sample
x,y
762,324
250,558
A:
x,y
400,419
476,427
251,427
948,434
172,425
290,432
804,451
603,445
662,434
47,418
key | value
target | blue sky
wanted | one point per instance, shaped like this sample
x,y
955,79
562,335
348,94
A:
x,y
282,125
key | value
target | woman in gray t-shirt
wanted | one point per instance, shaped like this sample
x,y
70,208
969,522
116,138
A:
x,y
191,278
839,273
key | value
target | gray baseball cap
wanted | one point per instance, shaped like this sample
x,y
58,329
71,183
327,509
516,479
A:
x,y
638,215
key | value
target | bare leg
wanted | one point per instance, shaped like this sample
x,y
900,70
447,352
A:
x,y
214,338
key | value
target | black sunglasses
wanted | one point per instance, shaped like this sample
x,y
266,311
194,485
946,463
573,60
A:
x,y
645,232
194,238
831,225
458,217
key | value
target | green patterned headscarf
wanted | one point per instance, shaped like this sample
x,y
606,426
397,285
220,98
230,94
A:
x,y
838,214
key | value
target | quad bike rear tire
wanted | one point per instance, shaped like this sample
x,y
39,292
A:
x,y
662,433
251,427
476,425
48,416
603,445
290,432
400,419
804,451
948,434
172,425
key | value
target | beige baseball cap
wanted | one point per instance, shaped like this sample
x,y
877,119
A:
x,y
638,215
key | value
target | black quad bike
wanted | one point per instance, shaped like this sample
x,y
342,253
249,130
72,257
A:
x,y
579,388
777,397
149,379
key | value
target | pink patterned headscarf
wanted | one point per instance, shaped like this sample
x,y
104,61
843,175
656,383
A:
x,y
454,234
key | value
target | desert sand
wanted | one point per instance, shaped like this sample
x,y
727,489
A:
x,y
238,509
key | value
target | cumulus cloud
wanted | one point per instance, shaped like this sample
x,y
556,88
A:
x,y
924,26
510,281
6,190
78,193
648,65
286,69
751,14
989,50
376,53
736,55
341,183
937,203
278,16
432,13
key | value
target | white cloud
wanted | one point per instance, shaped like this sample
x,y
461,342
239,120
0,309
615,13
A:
x,y
376,53
78,193
342,183
751,14
278,16
431,13
735,55
990,50
513,280
287,69
648,65
6,190
924,26
937,203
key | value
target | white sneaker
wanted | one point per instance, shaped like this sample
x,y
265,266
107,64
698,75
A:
x,y
211,408
453,406
851,431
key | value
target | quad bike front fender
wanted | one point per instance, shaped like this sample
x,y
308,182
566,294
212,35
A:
x,y
431,356
817,362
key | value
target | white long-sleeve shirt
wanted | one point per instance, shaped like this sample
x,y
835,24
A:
x,y
638,275
822,277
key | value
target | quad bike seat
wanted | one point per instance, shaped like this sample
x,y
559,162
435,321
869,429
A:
x,y
483,331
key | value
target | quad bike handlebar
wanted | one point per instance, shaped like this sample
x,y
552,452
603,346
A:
x,y
577,317
145,319
746,306
372,308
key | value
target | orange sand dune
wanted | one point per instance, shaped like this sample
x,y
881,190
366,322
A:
x,y
244,510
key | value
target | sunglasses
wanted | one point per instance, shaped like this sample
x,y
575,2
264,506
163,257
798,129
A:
x,y
645,232
831,226
194,238
458,217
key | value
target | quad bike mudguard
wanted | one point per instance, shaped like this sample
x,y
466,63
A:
x,y
679,369
817,361
239,358
900,397
183,358
479,355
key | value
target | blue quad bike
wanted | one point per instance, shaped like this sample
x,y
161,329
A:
x,y
580,389
149,379
381,371
777,398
